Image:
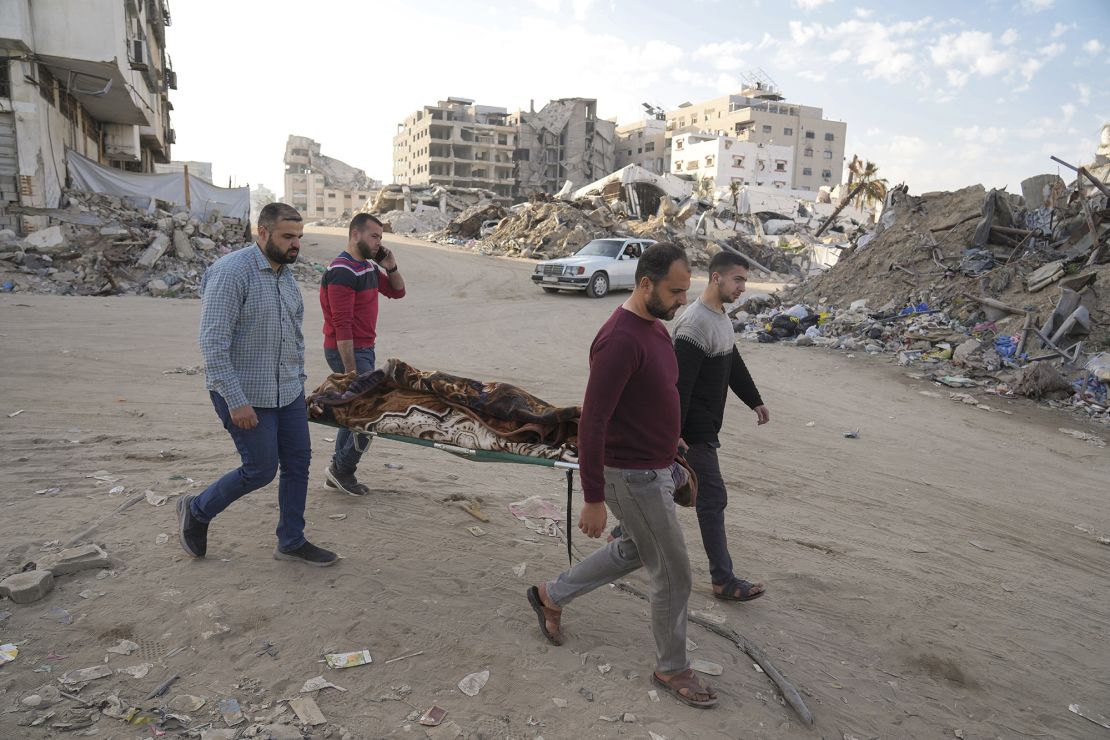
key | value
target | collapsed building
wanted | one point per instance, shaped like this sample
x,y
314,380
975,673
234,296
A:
x,y
322,187
562,142
978,288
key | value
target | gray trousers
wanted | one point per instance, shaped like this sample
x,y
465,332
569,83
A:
x,y
643,502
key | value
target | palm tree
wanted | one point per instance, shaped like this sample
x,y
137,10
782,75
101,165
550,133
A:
x,y
734,194
869,189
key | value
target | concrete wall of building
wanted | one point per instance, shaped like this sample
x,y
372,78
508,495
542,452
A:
x,y
724,160
565,140
642,143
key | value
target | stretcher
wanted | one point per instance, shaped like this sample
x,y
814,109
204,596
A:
x,y
488,456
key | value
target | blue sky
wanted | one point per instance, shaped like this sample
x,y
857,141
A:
x,y
940,95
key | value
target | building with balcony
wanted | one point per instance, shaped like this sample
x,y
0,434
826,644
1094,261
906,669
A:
x,y
724,160
458,144
92,76
323,187
759,114
642,143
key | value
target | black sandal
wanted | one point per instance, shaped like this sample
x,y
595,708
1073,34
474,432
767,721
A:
x,y
555,638
738,589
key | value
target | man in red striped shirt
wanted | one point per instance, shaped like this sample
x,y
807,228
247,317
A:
x,y
349,297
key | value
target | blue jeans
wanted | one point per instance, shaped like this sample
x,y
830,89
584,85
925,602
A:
x,y
348,446
280,441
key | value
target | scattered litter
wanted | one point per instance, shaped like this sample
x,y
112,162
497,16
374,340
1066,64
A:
x,y
15,414
1103,540
4,615
53,489
155,499
758,668
656,736
707,667
691,645
586,694
348,660
307,711
125,647
404,657
811,423
604,668
162,538
955,381
137,671
60,614
713,617
518,570
116,490
476,531
8,653
1085,436
449,731
628,717
267,648
474,508
854,434
653,695
473,683
394,466
981,546
337,517
1087,714
432,716
194,370
231,712
329,439
561,703
81,675
186,703
319,683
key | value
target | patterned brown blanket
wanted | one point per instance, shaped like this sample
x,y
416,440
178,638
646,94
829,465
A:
x,y
399,399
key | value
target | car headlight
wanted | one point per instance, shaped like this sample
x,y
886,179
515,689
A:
x,y
539,268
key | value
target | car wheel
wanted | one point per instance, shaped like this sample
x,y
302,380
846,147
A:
x,y
599,285
550,290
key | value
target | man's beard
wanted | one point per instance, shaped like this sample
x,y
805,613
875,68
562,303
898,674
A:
x,y
365,251
658,309
275,255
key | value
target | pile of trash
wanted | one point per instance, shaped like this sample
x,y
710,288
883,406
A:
x,y
99,244
977,288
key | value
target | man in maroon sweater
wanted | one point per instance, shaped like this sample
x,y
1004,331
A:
x,y
628,436
349,297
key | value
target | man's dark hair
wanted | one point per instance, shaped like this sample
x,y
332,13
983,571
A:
x,y
358,223
724,260
656,261
274,212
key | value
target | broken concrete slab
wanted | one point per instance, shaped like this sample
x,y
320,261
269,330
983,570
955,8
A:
x,y
159,288
155,250
75,560
181,246
1044,276
44,241
27,587
966,349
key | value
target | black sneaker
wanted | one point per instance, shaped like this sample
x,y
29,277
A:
x,y
345,482
308,553
193,534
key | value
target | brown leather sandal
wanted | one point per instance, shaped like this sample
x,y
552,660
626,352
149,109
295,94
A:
x,y
687,688
546,614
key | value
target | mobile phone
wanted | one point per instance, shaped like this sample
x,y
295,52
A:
x,y
380,254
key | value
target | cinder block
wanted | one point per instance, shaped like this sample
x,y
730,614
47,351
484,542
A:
x,y
27,587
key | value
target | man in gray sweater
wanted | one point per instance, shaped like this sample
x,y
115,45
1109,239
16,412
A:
x,y
708,366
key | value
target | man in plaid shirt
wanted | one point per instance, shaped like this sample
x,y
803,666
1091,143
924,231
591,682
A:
x,y
250,336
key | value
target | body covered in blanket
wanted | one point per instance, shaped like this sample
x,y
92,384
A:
x,y
400,399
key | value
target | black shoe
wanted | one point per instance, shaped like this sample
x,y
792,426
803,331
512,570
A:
x,y
192,533
345,482
308,553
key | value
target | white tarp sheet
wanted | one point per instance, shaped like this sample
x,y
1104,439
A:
x,y
204,197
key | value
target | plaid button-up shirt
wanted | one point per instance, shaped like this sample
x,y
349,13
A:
x,y
250,331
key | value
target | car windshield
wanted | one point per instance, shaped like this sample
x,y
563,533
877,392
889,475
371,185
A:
x,y
602,248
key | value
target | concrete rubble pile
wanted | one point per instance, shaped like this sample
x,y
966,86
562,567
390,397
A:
x,y
633,202
975,288
422,209
98,244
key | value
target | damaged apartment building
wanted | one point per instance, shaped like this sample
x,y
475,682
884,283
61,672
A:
x,y
759,115
322,187
91,77
457,143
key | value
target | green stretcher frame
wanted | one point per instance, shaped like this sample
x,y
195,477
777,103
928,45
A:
x,y
490,456
463,452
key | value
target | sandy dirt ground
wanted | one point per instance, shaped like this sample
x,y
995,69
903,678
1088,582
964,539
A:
x,y
937,577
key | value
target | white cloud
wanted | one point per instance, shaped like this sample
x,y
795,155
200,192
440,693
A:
x,y
581,8
1009,37
1068,111
1036,6
810,4
550,6
972,52
1032,65
1084,91
724,56
1093,47
885,51
863,12
982,135
1061,28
